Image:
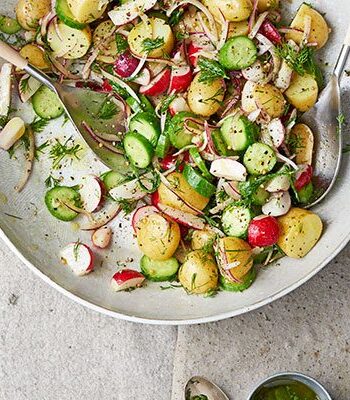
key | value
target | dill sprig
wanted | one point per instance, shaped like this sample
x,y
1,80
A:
x,y
152,44
59,151
51,181
38,124
210,70
40,149
108,109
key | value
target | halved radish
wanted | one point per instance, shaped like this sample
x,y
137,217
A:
x,y
130,10
179,104
131,190
5,88
231,188
125,64
255,72
158,85
126,279
101,238
277,205
280,183
104,216
141,213
270,32
228,169
144,77
284,77
183,218
181,78
199,43
79,257
155,198
91,192
303,177
27,86
263,231
276,131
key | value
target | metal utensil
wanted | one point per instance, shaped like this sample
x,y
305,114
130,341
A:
x,y
198,386
82,106
323,119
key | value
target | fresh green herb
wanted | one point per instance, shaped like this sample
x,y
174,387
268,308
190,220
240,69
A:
x,y
346,149
121,42
166,103
51,181
108,109
295,142
154,182
341,122
4,119
59,151
65,120
76,249
171,286
181,35
24,85
118,89
200,397
210,70
40,149
213,98
152,44
211,293
176,16
193,281
38,124
127,206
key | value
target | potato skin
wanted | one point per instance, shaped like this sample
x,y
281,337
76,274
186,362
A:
x,y
158,237
205,99
300,231
35,56
270,99
29,12
203,240
238,29
85,11
199,273
264,5
303,138
186,192
233,10
302,92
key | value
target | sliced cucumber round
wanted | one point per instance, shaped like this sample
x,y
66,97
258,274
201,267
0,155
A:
x,y
235,221
159,271
198,160
112,179
138,149
260,197
238,132
46,104
65,15
247,281
198,182
163,145
238,53
259,159
57,197
147,125
9,25
219,143
179,135
305,194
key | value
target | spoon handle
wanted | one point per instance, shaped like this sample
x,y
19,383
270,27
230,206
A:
x,y
343,56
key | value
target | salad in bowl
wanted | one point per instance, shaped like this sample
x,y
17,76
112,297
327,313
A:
x,y
216,167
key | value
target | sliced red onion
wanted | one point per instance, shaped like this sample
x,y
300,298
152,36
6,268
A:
x,y
210,143
287,161
225,29
28,166
231,188
258,24
101,142
251,21
103,218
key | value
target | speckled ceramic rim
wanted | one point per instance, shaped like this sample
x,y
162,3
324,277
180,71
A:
x,y
203,320
320,391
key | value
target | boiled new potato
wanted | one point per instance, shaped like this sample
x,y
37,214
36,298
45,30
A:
x,y
158,237
86,11
264,5
300,231
238,29
29,12
75,43
109,52
35,55
319,29
203,240
269,99
301,142
150,30
205,99
232,10
185,191
239,253
199,273
302,92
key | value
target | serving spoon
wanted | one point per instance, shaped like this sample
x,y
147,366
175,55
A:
x,y
325,121
82,107
198,386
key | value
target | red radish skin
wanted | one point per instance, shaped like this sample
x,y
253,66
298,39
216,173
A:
x,y
155,199
181,79
101,238
270,32
78,257
126,279
192,52
183,218
141,213
177,105
125,65
158,85
106,86
263,231
303,177
92,191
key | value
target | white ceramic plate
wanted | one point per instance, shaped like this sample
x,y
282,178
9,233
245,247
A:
x,y
36,237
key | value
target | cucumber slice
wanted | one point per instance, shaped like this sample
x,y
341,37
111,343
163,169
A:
x,y
178,134
138,150
163,145
9,25
194,153
147,125
112,179
247,281
235,221
199,184
259,159
62,194
138,107
259,198
159,271
65,15
238,53
46,104
305,194
146,104
238,132
219,143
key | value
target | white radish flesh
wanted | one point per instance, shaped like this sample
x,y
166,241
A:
x,y
255,72
5,88
141,213
277,205
231,188
277,132
126,279
131,190
12,132
78,257
248,102
91,193
279,183
178,105
284,77
228,169
27,87
183,218
144,77
102,237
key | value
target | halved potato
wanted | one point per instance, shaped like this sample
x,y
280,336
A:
x,y
151,29
158,237
203,240
301,142
205,99
319,27
300,231
264,5
86,11
269,99
302,92
232,10
238,29
29,12
35,55
199,273
109,52
185,191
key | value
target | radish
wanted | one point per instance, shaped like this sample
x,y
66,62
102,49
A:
x,y
279,183
179,104
284,77
155,199
199,43
181,78
277,205
231,188
276,131
5,88
125,64
11,133
130,10
158,85
101,238
78,257
27,87
270,32
183,218
144,77
105,216
91,192
131,190
126,279
303,177
141,213
228,169
263,231
255,72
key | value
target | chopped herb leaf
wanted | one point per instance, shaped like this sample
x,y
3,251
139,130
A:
x,y
152,44
108,109
59,151
121,42
210,70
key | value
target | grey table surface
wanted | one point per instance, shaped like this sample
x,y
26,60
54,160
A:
x,y
52,348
